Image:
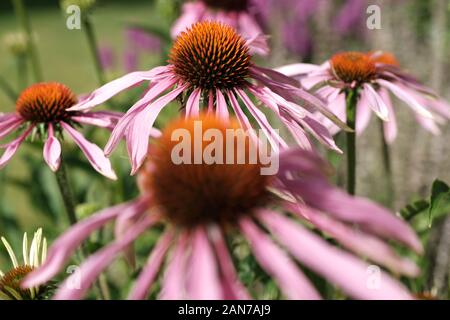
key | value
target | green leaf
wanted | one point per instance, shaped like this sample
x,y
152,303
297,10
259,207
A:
x,y
439,201
413,209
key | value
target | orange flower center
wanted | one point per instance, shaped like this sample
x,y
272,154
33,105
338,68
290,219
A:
x,y
12,280
353,67
45,102
227,5
193,193
384,57
211,55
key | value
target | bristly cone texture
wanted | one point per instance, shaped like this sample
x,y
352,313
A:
x,y
211,55
45,102
352,67
193,194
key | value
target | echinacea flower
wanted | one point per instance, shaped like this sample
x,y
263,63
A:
x,y
376,74
33,256
42,107
242,15
210,65
203,205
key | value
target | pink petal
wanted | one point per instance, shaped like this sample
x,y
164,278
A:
x,y
141,125
274,138
348,272
191,13
320,132
428,124
364,112
362,243
150,271
11,123
64,247
92,152
114,87
52,150
231,285
193,103
293,283
119,130
296,69
406,97
317,193
203,279
174,286
126,221
376,102
96,263
103,119
390,127
221,106
11,147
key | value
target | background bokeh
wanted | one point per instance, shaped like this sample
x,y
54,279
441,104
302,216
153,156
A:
x,y
416,31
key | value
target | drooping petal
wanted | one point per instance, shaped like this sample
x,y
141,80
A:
x,y
297,69
93,153
376,102
52,150
203,279
64,247
114,87
406,97
141,125
174,285
96,263
192,11
103,119
151,269
320,132
361,243
11,147
318,194
390,127
428,124
232,287
364,112
293,283
221,106
274,138
9,125
126,221
348,272
193,103
121,127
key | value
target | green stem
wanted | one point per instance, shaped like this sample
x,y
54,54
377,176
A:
x,y
387,165
9,91
101,286
24,21
351,99
21,72
66,193
92,41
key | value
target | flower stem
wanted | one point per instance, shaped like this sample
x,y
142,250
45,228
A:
x,y
351,99
66,193
387,165
101,286
24,21
92,41
9,91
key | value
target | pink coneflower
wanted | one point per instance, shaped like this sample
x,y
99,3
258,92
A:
x,y
42,107
210,65
242,15
201,205
376,74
